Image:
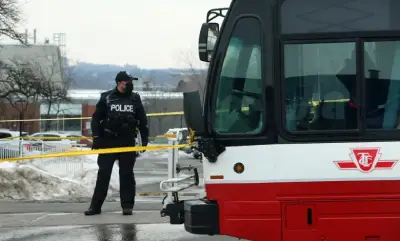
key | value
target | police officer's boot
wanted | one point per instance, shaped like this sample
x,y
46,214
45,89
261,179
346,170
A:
x,y
127,211
92,211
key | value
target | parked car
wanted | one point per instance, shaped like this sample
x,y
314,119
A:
x,y
52,139
88,142
11,146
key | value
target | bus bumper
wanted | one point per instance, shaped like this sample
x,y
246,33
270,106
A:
x,y
199,216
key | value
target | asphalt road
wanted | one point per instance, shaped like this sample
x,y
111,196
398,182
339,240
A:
x,y
29,221
150,169
115,232
158,168
64,221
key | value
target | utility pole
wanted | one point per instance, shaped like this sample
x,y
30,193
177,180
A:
x,y
26,36
59,39
34,36
21,124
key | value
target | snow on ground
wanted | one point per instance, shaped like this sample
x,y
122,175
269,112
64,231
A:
x,y
66,178
28,182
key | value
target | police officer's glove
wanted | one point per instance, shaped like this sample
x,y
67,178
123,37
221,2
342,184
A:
x,y
144,143
97,143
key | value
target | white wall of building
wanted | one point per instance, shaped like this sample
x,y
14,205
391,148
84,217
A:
x,y
46,58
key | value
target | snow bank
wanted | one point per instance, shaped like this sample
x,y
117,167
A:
x,y
7,164
28,182
71,177
48,180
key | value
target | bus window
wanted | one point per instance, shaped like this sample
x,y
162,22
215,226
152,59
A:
x,y
316,16
382,84
320,86
239,89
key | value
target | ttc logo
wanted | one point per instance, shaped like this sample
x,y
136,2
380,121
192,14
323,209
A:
x,y
365,160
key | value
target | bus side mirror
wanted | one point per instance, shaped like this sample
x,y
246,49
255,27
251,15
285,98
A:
x,y
193,112
208,37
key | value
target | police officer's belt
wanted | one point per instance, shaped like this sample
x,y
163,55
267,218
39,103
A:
x,y
116,134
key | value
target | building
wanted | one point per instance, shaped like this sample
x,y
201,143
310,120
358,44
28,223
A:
x,y
83,103
46,57
43,58
11,113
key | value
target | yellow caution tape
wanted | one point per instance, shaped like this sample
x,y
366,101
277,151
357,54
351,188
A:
x,y
166,114
48,138
170,135
151,114
59,138
88,118
191,135
314,103
91,152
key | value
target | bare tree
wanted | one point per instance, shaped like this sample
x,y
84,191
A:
x,y
160,124
55,83
147,84
19,86
180,87
155,124
194,77
23,83
159,103
19,83
10,16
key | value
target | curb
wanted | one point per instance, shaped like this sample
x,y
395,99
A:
x,y
109,199
157,194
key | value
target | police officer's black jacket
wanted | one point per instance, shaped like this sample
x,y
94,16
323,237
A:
x,y
119,114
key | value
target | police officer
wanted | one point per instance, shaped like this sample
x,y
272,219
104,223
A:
x,y
118,113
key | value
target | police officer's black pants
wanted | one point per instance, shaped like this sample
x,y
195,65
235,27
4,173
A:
x,y
126,179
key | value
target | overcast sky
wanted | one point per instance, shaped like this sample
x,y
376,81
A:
x,y
148,33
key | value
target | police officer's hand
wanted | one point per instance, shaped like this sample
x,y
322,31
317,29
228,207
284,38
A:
x,y
144,143
97,143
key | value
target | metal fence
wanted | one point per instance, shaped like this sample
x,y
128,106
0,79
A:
x,y
12,148
16,148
